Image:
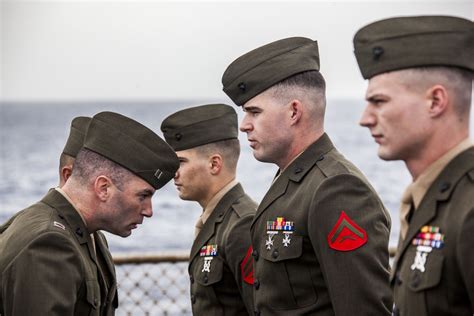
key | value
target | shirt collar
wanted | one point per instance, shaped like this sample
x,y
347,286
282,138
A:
x,y
215,199
418,189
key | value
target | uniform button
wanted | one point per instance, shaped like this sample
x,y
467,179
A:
x,y
242,86
193,299
396,311
178,136
320,158
255,255
206,279
95,301
256,284
191,279
398,280
298,170
79,231
416,280
443,187
377,51
275,254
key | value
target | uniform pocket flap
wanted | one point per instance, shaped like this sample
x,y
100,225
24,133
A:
x,y
284,247
431,277
93,293
210,270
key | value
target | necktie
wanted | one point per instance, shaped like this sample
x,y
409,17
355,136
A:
x,y
406,207
198,226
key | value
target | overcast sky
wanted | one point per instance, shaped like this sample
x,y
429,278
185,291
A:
x,y
155,50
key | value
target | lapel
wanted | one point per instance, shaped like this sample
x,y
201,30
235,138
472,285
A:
x,y
295,172
101,247
68,213
217,216
439,191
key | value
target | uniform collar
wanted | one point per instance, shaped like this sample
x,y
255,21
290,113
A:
x,y
418,189
215,199
216,217
67,212
296,171
64,194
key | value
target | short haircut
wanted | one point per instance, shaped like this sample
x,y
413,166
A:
x,y
308,86
64,160
311,79
229,149
458,81
89,165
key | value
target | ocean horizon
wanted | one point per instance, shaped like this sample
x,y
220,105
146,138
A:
x,y
33,134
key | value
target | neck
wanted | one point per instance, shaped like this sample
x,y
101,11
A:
x,y
214,187
80,200
433,150
301,142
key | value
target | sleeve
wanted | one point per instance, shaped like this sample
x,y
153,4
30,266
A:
x,y
465,255
43,279
238,254
349,229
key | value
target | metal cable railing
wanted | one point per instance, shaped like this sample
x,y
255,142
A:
x,y
153,284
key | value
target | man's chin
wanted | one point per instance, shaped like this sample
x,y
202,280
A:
x,y
126,234
385,155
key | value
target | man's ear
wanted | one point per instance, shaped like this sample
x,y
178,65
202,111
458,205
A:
x,y
296,111
438,97
215,164
102,186
66,172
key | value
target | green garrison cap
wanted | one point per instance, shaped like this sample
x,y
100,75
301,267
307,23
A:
x,y
200,125
417,41
133,146
261,68
76,135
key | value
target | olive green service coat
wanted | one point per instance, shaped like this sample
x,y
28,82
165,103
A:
x,y
48,264
220,268
331,256
440,282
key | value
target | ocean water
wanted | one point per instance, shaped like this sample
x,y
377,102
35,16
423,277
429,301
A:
x,y
32,136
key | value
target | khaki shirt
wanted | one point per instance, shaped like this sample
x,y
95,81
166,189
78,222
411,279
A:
x,y
211,205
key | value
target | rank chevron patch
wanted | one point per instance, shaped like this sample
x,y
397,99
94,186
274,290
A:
x,y
246,267
346,235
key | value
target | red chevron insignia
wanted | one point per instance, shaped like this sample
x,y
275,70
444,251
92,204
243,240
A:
x,y
346,235
246,267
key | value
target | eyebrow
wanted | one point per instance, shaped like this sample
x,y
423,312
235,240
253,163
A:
x,y
375,96
146,192
251,108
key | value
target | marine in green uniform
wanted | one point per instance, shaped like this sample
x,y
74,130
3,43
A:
x,y
320,235
420,72
73,144
53,261
220,266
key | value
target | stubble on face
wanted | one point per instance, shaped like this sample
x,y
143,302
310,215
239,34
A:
x,y
128,207
266,127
